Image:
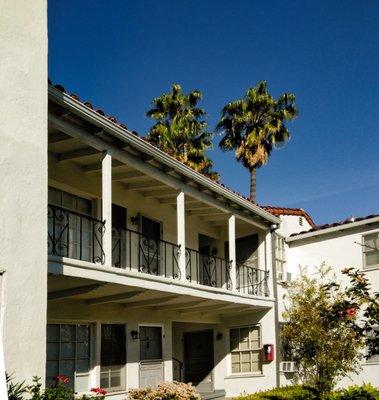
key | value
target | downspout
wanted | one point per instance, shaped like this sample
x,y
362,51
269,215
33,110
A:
x,y
276,318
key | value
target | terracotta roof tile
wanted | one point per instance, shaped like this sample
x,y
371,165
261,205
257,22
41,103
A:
x,y
334,224
290,211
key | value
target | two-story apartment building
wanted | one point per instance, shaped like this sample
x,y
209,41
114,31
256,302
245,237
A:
x,y
299,243
155,272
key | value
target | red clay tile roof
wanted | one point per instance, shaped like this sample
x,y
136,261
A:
x,y
290,211
340,223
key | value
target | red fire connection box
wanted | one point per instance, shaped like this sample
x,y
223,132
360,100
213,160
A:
x,y
268,352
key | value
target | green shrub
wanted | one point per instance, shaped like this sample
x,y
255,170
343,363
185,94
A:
x,y
364,392
295,392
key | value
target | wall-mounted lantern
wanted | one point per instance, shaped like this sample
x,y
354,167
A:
x,y
136,219
134,335
219,336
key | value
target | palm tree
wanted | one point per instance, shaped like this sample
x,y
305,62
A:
x,y
180,129
254,125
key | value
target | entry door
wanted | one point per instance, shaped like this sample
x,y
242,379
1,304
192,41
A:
x,y
151,360
199,359
150,246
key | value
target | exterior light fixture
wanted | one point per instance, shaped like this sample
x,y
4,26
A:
x,y
219,336
136,219
134,335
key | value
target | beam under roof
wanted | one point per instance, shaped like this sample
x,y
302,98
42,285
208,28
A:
x,y
149,303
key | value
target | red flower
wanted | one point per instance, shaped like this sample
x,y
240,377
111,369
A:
x,y
99,390
62,379
350,312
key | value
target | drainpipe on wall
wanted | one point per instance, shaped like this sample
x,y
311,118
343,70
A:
x,y
275,292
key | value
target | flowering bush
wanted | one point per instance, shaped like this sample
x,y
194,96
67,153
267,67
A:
x,y
165,391
328,326
59,392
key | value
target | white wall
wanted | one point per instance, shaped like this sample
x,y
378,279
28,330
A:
x,y
23,189
338,250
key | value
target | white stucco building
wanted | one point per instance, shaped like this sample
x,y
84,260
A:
x,y
350,243
150,271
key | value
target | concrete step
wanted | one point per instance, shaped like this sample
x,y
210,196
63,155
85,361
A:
x,y
216,394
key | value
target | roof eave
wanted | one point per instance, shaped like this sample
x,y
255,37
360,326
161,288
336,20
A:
x,y
110,127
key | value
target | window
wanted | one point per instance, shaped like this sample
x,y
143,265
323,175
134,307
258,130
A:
x,y
371,250
113,356
245,349
374,358
280,257
301,221
68,353
72,231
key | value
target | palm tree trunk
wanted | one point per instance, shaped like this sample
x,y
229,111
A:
x,y
253,184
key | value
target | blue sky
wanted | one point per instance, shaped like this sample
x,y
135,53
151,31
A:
x,y
120,54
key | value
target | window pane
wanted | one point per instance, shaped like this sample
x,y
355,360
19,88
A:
x,y
52,333
83,333
82,350
68,350
68,333
116,378
52,370
82,365
256,365
104,379
244,339
372,258
67,367
52,352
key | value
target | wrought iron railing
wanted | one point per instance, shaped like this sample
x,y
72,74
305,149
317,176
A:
x,y
134,251
207,270
252,280
75,235
177,369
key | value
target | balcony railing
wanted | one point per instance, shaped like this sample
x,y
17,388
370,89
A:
x,y
137,252
252,280
75,235
207,270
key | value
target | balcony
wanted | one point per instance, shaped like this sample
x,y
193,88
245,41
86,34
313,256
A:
x,y
79,236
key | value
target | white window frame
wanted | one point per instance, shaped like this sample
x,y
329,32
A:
x,y
280,258
364,251
90,357
259,350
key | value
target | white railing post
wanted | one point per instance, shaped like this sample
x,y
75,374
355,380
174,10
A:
x,y
232,251
181,234
107,207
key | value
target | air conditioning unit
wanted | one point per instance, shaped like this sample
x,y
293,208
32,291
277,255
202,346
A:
x,y
284,277
288,366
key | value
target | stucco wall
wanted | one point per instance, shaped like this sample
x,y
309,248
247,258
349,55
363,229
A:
x,y
23,196
337,250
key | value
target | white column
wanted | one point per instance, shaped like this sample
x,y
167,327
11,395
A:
x,y
107,207
232,250
181,232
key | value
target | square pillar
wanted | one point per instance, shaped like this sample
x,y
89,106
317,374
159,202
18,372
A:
x,y
181,234
232,251
107,206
